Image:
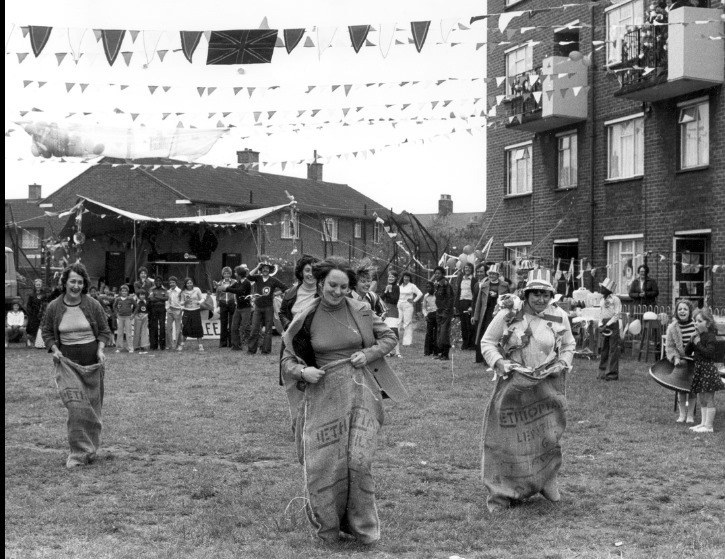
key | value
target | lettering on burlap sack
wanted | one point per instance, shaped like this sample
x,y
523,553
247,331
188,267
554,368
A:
x,y
521,449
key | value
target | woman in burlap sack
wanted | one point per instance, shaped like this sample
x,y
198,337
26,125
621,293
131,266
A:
x,y
75,330
334,353
530,346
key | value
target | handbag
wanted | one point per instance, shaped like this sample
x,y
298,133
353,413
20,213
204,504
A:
x,y
207,304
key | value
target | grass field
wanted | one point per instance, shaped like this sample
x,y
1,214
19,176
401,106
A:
x,y
198,461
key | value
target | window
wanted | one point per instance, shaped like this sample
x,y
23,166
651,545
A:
x,y
519,62
624,256
513,254
518,169
358,229
625,147
290,228
567,160
694,125
329,229
566,40
618,18
377,232
30,238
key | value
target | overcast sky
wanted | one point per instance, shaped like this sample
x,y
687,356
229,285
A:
x,y
409,175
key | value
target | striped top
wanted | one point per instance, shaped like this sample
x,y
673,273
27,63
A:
x,y
688,331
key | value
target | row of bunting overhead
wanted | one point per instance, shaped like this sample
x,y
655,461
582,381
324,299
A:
x,y
257,46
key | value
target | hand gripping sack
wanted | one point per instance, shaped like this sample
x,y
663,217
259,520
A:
x,y
521,430
81,391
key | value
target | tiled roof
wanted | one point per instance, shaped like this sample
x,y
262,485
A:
x,y
131,189
25,214
457,220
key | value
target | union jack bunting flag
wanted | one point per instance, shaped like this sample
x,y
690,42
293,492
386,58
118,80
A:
x,y
242,46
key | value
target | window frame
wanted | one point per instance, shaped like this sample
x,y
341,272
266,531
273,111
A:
x,y
514,252
639,158
614,269
377,233
330,233
357,229
574,157
681,108
528,63
529,170
611,42
34,234
285,224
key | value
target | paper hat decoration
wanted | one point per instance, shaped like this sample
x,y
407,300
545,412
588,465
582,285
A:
x,y
539,279
609,284
494,268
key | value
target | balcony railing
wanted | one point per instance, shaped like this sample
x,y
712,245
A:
x,y
644,49
521,101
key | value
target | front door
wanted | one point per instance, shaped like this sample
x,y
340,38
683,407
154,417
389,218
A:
x,y
115,268
690,272
566,259
231,259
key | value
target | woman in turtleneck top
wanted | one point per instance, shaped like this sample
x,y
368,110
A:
x,y
488,293
334,370
679,333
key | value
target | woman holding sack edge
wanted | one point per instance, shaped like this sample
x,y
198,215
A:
x,y
334,353
75,330
530,346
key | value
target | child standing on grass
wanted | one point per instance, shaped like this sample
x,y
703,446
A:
x,y
141,322
429,312
14,324
124,307
106,299
706,380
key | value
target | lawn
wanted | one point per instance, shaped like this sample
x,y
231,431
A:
x,y
198,461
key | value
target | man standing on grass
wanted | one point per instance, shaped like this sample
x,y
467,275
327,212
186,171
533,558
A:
x,y
157,315
264,287
444,312
174,314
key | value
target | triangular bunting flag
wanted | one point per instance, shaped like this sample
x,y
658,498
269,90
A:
x,y
345,111
152,88
505,19
210,115
279,43
292,37
250,90
41,84
123,86
226,114
127,55
201,90
134,116
315,111
358,34
264,24
300,113
83,87
68,86
257,114
210,90
22,55
270,114
25,30
237,89
189,42
348,87
98,34
180,125
166,88
38,38
133,34
161,54
112,39
500,80
26,83
60,56
576,90
537,96
369,43
165,116
334,87
420,32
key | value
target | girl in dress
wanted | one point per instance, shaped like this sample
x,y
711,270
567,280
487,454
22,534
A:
x,y
706,380
679,334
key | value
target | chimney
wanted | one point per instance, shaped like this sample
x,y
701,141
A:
x,y
34,193
248,159
445,205
314,170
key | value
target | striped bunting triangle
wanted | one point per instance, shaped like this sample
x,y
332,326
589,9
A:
x,y
420,32
38,38
358,34
112,39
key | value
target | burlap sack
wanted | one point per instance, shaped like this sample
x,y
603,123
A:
x,y
522,426
81,391
336,440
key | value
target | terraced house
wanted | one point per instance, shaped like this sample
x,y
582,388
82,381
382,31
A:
x,y
609,144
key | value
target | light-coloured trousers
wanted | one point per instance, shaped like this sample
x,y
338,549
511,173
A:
x,y
406,310
173,328
124,326
141,331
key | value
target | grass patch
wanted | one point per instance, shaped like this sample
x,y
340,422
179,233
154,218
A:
x,y
198,461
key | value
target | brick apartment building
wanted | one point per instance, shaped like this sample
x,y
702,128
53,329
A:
x,y
609,144
332,219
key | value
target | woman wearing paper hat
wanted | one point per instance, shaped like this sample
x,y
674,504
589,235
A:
x,y
487,296
530,346
611,310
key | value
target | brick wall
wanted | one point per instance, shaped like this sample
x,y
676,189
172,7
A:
x,y
656,205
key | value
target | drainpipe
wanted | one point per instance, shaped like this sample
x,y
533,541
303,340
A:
x,y
592,137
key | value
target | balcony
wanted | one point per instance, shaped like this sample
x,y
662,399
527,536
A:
x,y
552,101
663,62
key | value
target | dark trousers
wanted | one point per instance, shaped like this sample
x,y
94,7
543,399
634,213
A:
x,y
443,341
241,320
467,331
263,316
431,333
157,328
226,316
609,360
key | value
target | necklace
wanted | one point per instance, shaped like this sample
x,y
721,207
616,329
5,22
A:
x,y
347,319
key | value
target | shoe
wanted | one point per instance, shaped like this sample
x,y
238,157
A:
x,y
690,420
130,351
201,348
142,352
444,358
179,348
680,420
117,351
695,427
702,429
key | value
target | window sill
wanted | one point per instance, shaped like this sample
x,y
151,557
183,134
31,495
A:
x,y
692,169
566,188
626,179
514,4
510,196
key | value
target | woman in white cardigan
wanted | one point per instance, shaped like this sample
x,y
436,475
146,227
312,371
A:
x,y
409,296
